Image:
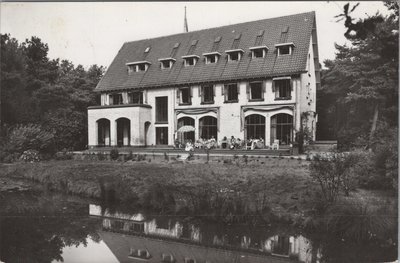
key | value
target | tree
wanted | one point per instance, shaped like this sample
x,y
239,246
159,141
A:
x,y
363,78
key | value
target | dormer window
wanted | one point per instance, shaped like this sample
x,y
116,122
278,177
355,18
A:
x,y
190,60
139,253
212,57
259,52
166,63
284,48
138,66
234,54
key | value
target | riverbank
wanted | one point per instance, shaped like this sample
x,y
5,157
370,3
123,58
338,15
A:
x,y
234,190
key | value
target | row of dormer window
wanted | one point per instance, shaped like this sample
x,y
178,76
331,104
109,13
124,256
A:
x,y
281,87
212,57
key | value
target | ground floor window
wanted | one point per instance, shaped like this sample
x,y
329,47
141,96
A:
x,y
103,132
282,128
281,245
183,137
162,135
208,127
255,127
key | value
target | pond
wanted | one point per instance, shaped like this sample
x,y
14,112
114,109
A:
x,y
50,227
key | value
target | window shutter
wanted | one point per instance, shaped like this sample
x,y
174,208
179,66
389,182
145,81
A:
x,y
291,84
200,90
223,90
124,97
103,99
273,85
191,91
264,87
248,90
145,96
178,94
111,101
238,88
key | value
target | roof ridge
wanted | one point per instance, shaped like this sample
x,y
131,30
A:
x,y
211,28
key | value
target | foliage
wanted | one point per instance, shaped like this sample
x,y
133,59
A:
x,y
48,92
30,156
360,86
114,154
21,138
334,172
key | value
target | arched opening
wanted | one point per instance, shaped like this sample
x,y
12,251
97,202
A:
x,y
123,132
146,131
183,137
282,128
103,132
208,127
255,127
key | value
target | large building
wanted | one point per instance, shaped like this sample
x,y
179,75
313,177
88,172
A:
x,y
249,80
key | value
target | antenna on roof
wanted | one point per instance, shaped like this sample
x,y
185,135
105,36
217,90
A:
x,y
185,24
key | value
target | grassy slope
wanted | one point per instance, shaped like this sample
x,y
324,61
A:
x,y
284,183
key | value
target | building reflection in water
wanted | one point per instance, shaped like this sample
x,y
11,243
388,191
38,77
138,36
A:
x,y
134,238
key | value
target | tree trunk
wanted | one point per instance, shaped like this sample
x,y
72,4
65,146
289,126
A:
x,y
374,122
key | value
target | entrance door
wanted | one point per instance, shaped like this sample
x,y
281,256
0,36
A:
x,y
162,135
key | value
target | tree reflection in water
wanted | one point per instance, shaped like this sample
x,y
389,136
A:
x,y
36,228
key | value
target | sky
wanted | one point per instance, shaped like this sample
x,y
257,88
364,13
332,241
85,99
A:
x,y
93,32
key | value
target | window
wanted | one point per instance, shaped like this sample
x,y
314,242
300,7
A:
x,y
135,97
231,92
285,48
207,94
139,253
208,127
212,57
185,96
256,91
140,66
162,135
190,60
255,127
190,260
167,258
116,99
283,89
162,109
166,63
281,245
259,52
282,128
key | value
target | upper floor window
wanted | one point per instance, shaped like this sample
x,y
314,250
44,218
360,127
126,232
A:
x,y
285,48
166,63
116,99
138,66
256,90
207,94
231,92
139,253
184,95
282,88
190,60
212,57
162,109
259,52
235,54
135,97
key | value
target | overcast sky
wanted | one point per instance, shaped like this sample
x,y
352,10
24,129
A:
x,y
92,33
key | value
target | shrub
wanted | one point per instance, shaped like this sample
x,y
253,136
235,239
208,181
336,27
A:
x,y
30,156
21,138
114,154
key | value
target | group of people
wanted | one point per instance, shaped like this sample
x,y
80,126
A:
x,y
232,143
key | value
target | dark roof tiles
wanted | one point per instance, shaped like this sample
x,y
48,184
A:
x,y
298,29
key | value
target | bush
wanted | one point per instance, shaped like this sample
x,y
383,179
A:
x,y
21,138
114,154
30,156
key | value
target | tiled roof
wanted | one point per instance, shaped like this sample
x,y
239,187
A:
x,y
294,28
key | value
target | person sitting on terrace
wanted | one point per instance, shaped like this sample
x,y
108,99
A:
x,y
233,143
189,146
